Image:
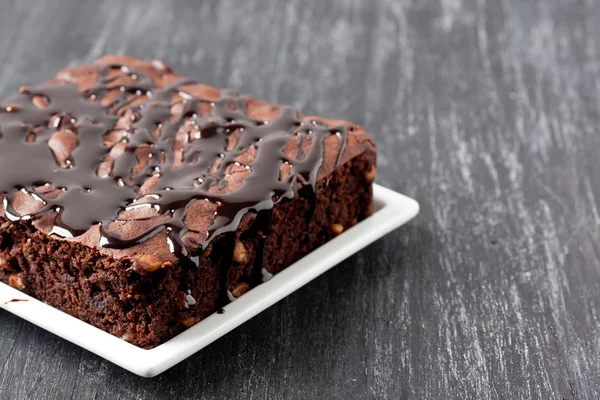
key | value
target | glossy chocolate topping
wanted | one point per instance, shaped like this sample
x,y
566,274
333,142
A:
x,y
136,142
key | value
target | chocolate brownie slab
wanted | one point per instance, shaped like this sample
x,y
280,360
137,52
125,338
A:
x,y
141,201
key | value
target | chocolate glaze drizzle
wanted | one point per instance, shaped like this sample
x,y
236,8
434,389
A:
x,y
38,122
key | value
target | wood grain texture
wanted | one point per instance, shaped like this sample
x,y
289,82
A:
x,y
485,111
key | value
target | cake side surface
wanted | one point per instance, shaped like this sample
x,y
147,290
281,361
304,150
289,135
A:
x,y
195,196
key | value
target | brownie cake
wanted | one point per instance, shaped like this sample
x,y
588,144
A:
x,y
142,202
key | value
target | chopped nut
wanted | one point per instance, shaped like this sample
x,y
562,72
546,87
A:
x,y
181,300
62,144
190,300
239,253
128,117
45,188
370,174
149,184
40,101
337,228
3,261
102,285
159,65
191,321
240,289
16,281
177,109
147,262
128,337
54,121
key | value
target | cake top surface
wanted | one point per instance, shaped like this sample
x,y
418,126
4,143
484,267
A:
x,y
131,158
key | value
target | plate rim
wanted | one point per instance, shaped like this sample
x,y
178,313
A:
x,y
393,210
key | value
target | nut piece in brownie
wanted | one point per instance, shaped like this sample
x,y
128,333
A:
x,y
140,201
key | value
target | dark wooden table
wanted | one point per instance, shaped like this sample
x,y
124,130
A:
x,y
487,112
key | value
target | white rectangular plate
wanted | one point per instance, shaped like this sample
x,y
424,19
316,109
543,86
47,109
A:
x,y
391,211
